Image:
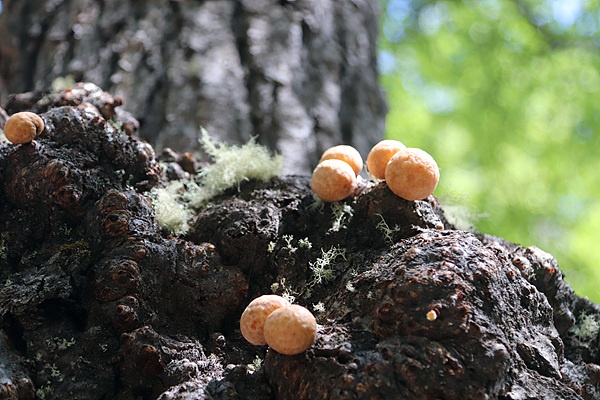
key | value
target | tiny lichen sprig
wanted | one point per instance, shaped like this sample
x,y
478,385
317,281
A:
x,y
288,241
256,365
341,214
321,267
388,233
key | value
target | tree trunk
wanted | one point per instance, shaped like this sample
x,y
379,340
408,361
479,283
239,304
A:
x,y
97,301
299,74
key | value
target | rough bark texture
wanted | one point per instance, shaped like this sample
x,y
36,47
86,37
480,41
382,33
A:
x,y
300,74
97,303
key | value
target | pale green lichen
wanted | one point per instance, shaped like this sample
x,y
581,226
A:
x,y
58,343
232,165
62,83
256,365
44,391
587,327
388,233
341,214
461,216
3,249
319,307
171,213
322,269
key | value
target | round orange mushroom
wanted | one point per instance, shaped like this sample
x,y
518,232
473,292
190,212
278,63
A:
x,y
380,155
290,330
23,127
333,180
254,316
345,153
412,174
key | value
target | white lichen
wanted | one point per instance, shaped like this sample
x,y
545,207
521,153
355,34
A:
x,y
171,212
341,214
319,307
288,241
321,267
289,296
304,244
388,233
231,165
256,365
586,328
284,291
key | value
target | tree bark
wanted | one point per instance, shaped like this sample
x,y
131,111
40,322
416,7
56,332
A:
x,y
299,74
97,301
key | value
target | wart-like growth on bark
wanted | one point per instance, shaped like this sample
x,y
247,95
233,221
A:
x,y
98,302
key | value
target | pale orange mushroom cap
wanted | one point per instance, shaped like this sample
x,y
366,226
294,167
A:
x,y
380,155
412,174
345,153
254,316
290,330
23,127
333,180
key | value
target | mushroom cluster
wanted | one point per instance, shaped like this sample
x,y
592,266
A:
x,y
410,173
334,178
287,328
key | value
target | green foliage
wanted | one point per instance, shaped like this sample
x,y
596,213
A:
x,y
503,94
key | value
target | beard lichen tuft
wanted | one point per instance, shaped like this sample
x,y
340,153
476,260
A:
x,y
231,165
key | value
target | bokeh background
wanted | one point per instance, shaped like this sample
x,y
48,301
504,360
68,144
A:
x,y
505,95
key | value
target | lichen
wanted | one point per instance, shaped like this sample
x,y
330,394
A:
x,y
341,215
256,365
321,267
232,165
171,214
587,327
388,233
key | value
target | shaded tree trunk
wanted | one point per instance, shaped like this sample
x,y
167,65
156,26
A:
x,y
300,74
